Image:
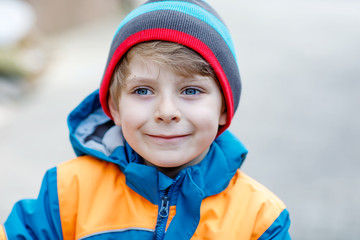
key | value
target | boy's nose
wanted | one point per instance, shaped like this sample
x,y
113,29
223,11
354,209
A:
x,y
167,111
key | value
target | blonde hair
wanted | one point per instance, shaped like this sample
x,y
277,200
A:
x,y
180,59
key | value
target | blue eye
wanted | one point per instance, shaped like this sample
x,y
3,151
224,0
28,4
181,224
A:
x,y
191,91
142,91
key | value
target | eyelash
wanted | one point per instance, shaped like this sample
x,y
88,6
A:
x,y
137,91
195,91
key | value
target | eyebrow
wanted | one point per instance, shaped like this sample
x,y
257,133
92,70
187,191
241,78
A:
x,y
136,79
198,79
188,80
201,79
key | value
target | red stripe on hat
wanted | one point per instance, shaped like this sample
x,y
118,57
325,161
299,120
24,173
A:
x,y
171,36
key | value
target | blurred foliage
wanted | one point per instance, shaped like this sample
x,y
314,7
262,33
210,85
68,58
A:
x,y
24,60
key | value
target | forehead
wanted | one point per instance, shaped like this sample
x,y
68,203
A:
x,y
146,68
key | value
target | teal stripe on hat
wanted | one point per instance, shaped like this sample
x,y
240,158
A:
x,y
186,8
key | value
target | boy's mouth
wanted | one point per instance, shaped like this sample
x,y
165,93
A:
x,y
163,138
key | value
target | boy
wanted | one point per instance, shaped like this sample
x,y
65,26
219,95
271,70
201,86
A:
x,y
155,159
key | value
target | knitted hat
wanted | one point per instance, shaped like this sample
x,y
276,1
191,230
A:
x,y
192,23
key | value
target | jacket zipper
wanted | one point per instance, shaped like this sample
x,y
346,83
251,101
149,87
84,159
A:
x,y
163,214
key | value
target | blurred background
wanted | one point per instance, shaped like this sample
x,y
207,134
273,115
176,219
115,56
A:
x,y
298,116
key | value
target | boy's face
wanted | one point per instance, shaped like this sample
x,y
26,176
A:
x,y
168,119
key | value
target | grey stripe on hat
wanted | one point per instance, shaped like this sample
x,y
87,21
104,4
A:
x,y
200,3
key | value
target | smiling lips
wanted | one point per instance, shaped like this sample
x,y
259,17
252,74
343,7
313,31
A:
x,y
167,139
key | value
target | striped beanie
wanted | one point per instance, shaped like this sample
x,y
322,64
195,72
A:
x,y
192,23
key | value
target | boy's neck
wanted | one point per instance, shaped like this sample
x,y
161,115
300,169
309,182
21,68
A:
x,y
172,172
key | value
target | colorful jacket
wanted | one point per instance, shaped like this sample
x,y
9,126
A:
x,y
108,193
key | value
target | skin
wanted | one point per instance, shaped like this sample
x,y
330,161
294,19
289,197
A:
x,y
169,120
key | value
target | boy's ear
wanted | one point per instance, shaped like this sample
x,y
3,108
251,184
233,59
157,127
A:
x,y
115,113
223,116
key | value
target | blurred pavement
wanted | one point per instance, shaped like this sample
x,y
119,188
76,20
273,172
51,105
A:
x,y
299,115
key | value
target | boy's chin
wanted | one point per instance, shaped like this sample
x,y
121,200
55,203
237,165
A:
x,y
165,164
174,164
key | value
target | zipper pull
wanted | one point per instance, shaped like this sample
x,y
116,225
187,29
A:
x,y
164,210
